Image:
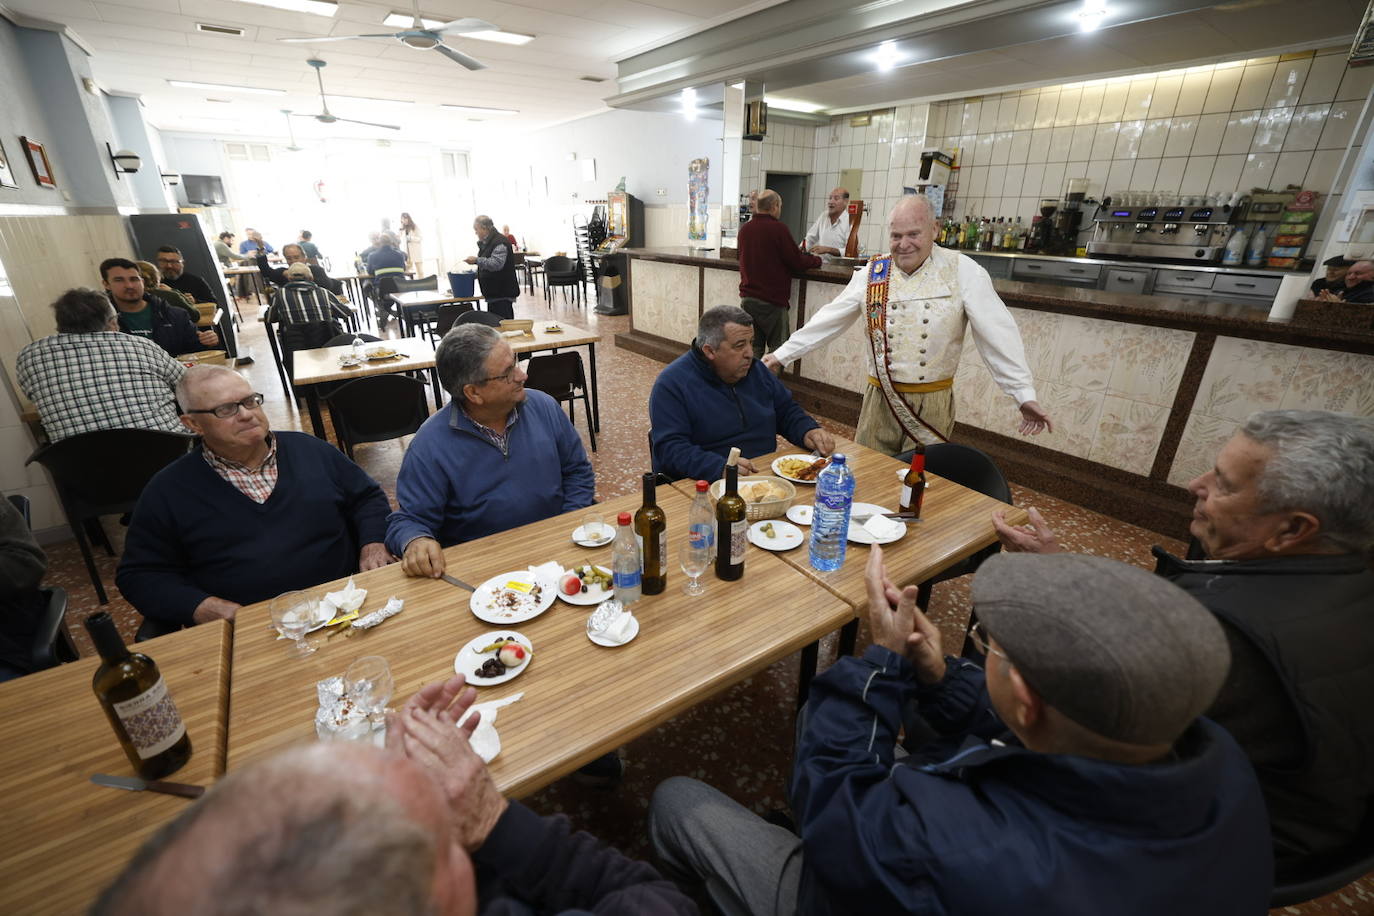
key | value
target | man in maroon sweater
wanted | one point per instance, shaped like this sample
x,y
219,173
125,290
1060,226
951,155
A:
x,y
768,260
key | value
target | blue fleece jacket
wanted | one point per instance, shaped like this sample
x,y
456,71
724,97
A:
x,y
695,417
455,485
999,828
193,535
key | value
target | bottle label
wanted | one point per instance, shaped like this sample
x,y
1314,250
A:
x,y
628,579
906,495
151,720
701,536
662,553
739,538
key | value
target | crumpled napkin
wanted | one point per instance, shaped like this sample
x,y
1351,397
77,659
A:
x,y
547,574
883,528
337,719
485,739
612,622
346,600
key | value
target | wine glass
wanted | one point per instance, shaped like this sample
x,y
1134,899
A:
x,y
369,684
292,614
694,560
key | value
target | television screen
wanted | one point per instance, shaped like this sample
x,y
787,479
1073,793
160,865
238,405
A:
x,y
205,190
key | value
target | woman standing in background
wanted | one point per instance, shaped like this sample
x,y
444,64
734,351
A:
x,y
410,241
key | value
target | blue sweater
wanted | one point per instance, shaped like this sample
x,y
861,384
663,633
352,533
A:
x,y
455,485
193,535
696,418
993,829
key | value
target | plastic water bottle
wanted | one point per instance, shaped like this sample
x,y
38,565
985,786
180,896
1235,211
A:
x,y
357,348
701,523
830,520
626,565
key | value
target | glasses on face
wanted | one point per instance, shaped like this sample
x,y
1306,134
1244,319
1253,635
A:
x,y
507,376
225,411
980,642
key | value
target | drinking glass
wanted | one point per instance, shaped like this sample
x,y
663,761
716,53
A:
x,y
593,528
292,614
694,561
369,684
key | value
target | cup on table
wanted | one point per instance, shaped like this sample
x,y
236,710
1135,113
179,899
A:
x,y
694,560
594,528
293,613
369,684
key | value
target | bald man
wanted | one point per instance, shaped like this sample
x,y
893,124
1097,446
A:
x,y
768,260
1358,286
830,232
917,300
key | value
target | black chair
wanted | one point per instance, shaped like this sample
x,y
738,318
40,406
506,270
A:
x,y
562,272
52,644
376,409
560,376
103,473
413,319
476,317
420,283
445,319
1320,875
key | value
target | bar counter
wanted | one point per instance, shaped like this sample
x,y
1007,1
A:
x,y
1143,390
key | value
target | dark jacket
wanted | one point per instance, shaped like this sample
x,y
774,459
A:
x,y
277,275
1001,829
197,288
695,418
501,283
531,864
768,260
22,564
1361,293
173,330
1298,691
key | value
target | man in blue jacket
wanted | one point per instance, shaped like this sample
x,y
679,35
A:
x,y
716,395
498,457
1105,793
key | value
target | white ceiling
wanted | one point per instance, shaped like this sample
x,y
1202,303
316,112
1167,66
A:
x,y
140,44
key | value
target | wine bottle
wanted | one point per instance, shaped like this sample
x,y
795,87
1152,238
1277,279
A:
x,y
135,698
651,529
914,484
732,526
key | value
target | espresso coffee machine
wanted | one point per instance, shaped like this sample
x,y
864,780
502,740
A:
x,y
1172,229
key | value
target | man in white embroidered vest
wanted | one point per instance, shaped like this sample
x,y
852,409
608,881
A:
x,y
916,303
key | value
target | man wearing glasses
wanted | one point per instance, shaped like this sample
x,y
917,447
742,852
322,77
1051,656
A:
x,y
498,457
247,515
1071,774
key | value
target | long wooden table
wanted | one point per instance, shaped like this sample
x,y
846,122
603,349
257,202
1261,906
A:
x,y
66,837
311,368
580,700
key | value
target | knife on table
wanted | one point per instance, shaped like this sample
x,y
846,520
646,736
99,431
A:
x,y
458,582
133,784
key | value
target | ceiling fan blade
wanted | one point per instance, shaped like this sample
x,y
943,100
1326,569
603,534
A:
x,y
459,57
459,26
337,38
369,123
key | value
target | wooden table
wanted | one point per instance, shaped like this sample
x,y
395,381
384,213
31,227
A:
x,y
67,838
411,303
314,367
253,273
571,336
580,700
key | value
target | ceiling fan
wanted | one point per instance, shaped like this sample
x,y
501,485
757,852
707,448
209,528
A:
x,y
326,116
423,39
292,131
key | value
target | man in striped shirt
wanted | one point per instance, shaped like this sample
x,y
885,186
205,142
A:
x,y
306,315
89,376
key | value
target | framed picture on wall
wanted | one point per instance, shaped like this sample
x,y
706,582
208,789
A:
x,y
38,161
6,173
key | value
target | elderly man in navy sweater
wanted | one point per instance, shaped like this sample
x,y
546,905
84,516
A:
x,y
715,396
497,458
248,515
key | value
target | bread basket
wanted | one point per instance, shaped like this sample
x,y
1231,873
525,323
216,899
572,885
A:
x,y
764,509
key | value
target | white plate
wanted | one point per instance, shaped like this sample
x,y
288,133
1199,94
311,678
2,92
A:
x,y
777,463
600,641
858,535
527,606
469,660
592,595
580,538
786,535
800,514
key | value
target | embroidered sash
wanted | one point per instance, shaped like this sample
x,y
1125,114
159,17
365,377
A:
x,y
909,419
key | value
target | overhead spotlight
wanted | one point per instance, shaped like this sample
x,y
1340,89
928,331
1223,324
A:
x,y
887,56
689,104
1091,15
126,161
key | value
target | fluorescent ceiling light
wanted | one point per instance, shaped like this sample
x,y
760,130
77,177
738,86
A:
x,y
316,7
792,104
887,56
689,104
473,110
1091,15
407,21
221,87
367,99
500,37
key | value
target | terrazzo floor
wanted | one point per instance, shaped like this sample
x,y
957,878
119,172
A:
x,y
739,741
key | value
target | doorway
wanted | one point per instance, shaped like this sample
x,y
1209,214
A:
x,y
792,187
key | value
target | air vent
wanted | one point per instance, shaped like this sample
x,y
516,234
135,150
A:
x,y
219,29
592,79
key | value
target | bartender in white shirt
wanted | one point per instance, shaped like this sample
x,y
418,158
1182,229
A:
x,y
916,303
830,233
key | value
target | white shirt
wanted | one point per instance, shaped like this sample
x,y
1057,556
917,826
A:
x,y
927,312
830,235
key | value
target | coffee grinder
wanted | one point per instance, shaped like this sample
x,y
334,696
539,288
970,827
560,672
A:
x,y
1042,229
1068,218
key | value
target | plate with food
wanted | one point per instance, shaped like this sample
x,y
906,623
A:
x,y
494,658
775,534
379,353
801,514
512,597
593,535
586,584
800,468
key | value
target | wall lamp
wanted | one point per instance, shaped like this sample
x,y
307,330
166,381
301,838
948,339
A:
x,y
171,179
126,161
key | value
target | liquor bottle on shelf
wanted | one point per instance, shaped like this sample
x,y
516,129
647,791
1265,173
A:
x,y
732,525
997,235
914,484
651,530
135,698
626,571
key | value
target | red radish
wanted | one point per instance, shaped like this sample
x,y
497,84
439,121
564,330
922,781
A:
x,y
570,584
512,655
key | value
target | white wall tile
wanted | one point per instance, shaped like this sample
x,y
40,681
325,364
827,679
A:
x,y
1170,174
1020,146
1083,136
1113,101
1016,180
1340,125
1221,94
1291,168
1193,92
1119,176
1144,174
976,178
1198,175
1046,107
1154,137
1226,174
1034,180
1210,129
1254,86
996,180
1271,129
1066,115
1165,100
1306,127
1321,172
1104,143
1025,111
1006,113
1001,148
1240,131
1138,98
1258,171
1095,172
1128,139
1323,79
1355,85
983,143
1053,184
1040,146
1090,106
1061,142
1286,88
1182,129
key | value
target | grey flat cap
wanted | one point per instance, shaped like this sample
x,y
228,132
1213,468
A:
x,y
299,271
1118,650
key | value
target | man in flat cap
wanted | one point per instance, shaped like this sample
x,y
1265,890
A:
x,y
1073,776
